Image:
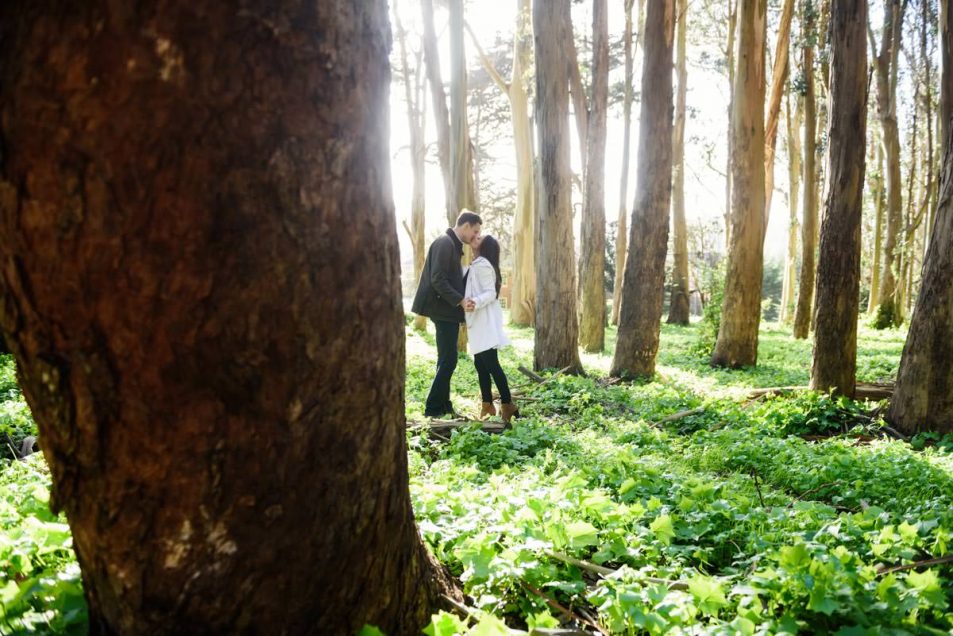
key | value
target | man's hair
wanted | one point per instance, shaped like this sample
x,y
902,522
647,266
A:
x,y
468,218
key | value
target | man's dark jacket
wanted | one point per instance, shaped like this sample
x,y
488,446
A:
x,y
441,285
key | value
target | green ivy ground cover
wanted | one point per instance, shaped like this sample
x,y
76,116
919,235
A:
x,y
760,517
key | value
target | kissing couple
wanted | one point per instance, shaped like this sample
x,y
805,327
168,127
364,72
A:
x,y
449,296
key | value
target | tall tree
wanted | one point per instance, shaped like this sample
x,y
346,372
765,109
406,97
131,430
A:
x,y
621,234
643,289
678,305
731,64
946,85
592,259
877,191
786,313
838,267
923,398
418,153
737,343
441,113
779,78
886,63
199,360
557,328
523,290
463,190
805,293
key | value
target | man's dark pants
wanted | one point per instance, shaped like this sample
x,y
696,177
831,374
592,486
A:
x,y
438,401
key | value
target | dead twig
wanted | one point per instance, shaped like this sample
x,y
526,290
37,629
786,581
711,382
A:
x,y
916,564
556,605
757,487
677,416
535,377
604,571
811,491
895,433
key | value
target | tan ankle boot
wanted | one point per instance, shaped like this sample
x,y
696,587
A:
x,y
487,410
509,411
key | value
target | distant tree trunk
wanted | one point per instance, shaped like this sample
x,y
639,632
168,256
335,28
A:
x,y
523,290
878,194
838,268
577,93
643,290
737,343
678,305
557,329
592,262
946,85
885,67
786,314
778,79
440,112
461,150
923,398
732,25
205,310
805,291
418,153
621,235
905,254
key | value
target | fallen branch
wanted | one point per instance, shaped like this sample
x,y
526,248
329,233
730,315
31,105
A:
x,y
604,571
862,391
811,491
535,377
678,416
553,603
444,426
916,564
895,433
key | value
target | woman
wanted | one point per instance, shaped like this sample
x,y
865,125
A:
x,y
485,325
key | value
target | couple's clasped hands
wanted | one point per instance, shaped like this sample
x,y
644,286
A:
x,y
468,304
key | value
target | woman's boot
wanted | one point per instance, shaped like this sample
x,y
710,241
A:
x,y
509,411
487,410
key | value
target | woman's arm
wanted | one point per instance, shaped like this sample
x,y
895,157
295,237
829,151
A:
x,y
487,279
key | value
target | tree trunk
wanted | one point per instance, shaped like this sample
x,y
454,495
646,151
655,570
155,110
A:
x,y
838,268
732,25
678,304
463,192
946,85
805,291
200,285
621,235
418,152
737,343
923,399
909,229
557,328
885,66
778,79
440,112
878,193
786,314
644,286
577,93
592,262
523,298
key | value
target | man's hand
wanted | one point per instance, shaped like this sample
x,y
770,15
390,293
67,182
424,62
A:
x,y
468,304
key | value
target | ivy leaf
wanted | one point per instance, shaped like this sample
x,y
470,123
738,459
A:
x,y
663,528
581,534
445,624
708,592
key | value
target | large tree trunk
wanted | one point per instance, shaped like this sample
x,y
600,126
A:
x,y
730,59
805,291
463,191
678,304
441,113
644,287
523,298
200,286
418,154
779,77
621,235
923,398
885,67
737,343
878,194
786,313
557,328
838,267
592,261
946,85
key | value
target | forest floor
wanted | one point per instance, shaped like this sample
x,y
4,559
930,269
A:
x,y
607,509
602,512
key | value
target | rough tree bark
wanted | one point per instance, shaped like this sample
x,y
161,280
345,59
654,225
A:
x,y
523,290
838,268
877,190
678,303
592,259
463,192
418,154
644,287
805,291
730,62
779,77
786,313
200,284
885,73
441,113
946,85
621,234
923,399
557,328
737,343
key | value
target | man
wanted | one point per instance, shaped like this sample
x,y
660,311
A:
x,y
440,298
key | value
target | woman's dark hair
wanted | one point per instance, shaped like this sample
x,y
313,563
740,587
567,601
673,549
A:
x,y
490,250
